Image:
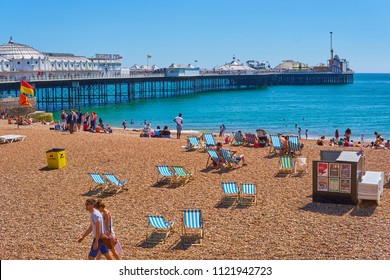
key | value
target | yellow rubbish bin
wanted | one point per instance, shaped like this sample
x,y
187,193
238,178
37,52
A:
x,y
56,158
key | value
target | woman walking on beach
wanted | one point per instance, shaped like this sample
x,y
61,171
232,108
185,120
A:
x,y
97,229
115,249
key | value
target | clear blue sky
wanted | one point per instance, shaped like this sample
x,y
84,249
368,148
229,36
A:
x,y
178,31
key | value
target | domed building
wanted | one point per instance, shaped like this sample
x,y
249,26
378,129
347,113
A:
x,y
18,61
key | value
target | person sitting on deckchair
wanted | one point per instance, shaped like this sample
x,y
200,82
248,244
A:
x,y
238,158
284,144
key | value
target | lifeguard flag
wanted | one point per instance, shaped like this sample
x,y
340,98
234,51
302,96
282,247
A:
x,y
26,88
23,101
149,56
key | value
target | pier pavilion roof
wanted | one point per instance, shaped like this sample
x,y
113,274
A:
x,y
3,59
13,50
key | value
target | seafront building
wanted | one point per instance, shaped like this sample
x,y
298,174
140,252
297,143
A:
x,y
18,61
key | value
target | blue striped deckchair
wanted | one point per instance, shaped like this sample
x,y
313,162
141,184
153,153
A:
x,y
209,140
192,143
237,138
293,144
159,226
230,190
215,160
165,173
181,174
248,194
99,180
285,165
228,159
117,185
192,226
275,146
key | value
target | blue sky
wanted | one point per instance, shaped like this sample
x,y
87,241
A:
x,y
178,31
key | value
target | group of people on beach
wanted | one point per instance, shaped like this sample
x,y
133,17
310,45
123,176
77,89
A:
x,y
148,131
73,120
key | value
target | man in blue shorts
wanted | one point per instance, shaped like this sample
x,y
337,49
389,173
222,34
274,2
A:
x,y
97,229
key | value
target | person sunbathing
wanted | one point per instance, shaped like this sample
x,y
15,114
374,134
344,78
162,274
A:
x,y
233,153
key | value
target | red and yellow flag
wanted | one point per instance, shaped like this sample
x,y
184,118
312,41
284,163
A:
x,y
23,101
26,88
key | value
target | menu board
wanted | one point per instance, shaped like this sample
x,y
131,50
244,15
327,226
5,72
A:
x,y
334,177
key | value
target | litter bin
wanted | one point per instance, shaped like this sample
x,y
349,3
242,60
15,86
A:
x,y
56,158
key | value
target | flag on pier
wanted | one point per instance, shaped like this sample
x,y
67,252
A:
x,y
23,101
149,56
26,88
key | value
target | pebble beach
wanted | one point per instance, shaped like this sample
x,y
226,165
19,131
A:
x,y
43,213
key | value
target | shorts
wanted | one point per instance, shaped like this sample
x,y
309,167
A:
x,y
238,158
178,127
101,247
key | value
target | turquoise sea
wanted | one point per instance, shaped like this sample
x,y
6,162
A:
x,y
363,106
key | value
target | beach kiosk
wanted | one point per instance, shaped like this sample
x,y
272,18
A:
x,y
336,177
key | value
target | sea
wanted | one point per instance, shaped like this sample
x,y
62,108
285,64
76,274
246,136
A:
x,y
363,106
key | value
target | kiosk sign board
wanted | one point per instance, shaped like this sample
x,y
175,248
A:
x,y
335,177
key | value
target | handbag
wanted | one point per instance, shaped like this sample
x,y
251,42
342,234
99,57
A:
x,y
107,241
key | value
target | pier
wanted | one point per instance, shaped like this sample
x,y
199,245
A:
x,y
75,91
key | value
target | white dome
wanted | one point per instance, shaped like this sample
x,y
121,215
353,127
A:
x,y
13,50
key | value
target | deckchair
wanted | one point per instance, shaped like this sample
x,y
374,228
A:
x,y
209,140
99,180
215,160
192,226
275,146
250,139
230,190
293,144
181,174
285,165
11,138
247,194
165,173
192,143
228,159
300,166
237,138
116,184
159,226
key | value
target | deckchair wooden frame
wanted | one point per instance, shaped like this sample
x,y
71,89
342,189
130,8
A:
x,y
248,194
196,231
181,174
161,226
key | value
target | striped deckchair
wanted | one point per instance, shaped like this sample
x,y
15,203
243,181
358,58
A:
x,y
192,226
237,138
192,143
181,174
165,173
285,165
117,185
209,140
230,190
99,180
293,144
159,226
250,139
300,166
215,160
275,146
228,159
247,194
